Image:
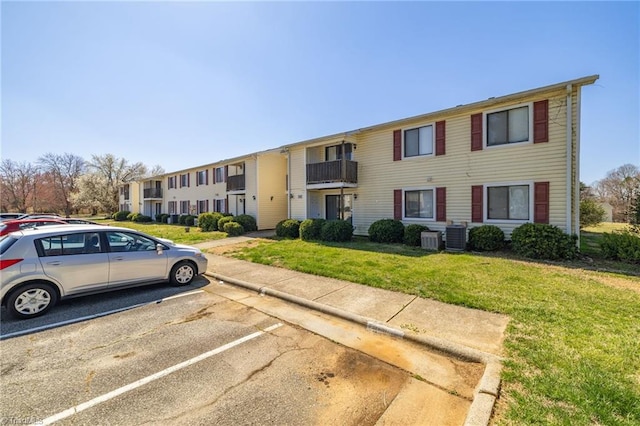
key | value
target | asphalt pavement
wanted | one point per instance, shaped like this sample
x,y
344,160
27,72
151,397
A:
x,y
459,332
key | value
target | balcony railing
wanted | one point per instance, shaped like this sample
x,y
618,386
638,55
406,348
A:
x,y
235,183
333,172
152,193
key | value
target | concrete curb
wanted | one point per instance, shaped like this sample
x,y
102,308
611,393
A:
x,y
487,390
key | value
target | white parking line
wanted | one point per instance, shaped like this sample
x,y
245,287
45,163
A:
x,y
107,396
88,317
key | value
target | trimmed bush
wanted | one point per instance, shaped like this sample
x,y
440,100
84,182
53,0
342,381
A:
x,y
288,228
543,241
162,218
209,221
386,231
223,220
486,238
336,230
310,229
233,229
622,245
121,215
182,219
248,222
189,220
142,218
130,216
412,234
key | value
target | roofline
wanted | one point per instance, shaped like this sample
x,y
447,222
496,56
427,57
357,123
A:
x,y
457,109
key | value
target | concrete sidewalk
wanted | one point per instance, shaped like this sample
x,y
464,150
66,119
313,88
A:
x,y
462,333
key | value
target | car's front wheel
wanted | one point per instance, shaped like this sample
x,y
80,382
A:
x,y
183,273
32,300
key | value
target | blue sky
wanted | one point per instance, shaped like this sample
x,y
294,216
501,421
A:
x,y
181,84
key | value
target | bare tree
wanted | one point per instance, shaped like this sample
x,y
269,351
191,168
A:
x,y
114,172
619,188
64,169
156,170
17,185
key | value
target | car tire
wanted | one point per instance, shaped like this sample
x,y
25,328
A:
x,y
32,300
182,273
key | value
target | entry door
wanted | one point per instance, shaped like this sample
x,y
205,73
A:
x,y
332,206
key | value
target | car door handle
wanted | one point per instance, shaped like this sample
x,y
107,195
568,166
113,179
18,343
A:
x,y
56,263
118,258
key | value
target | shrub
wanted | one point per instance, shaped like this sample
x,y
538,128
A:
x,y
121,215
162,218
622,245
141,218
182,219
209,221
233,229
412,234
591,213
336,230
386,231
189,220
130,216
543,241
310,229
486,238
223,220
248,222
288,228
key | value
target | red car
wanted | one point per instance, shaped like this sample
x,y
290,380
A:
x,y
8,226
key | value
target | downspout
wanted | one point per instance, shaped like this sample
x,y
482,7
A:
x,y
288,183
569,207
576,202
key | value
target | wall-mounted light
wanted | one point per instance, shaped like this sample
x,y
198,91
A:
x,y
272,198
355,196
254,197
290,195
242,200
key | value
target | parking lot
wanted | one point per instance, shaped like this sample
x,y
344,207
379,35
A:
x,y
187,356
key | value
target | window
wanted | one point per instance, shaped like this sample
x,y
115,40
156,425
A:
x,y
509,126
124,241
184,180
84,243
172,182
202,177
418,141
184,207
124,190
219,174
203,206
419,204
219,206
173,207
508,202
335,152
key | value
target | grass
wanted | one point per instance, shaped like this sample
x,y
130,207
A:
x,y
176,233
572,346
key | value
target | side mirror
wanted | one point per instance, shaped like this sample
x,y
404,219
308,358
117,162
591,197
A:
x,y
159,248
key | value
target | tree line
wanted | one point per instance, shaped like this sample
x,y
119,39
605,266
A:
x,y
67,184
620,188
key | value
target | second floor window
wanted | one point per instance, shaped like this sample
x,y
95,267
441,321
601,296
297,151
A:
x,y
184,180
418,141
172,182
202,177
219,174
509,126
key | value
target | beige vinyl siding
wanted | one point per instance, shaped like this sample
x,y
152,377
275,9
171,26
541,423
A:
x,y
460,168
272,196
298,182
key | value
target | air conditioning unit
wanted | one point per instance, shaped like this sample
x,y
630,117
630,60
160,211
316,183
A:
x,y
456,237
431,240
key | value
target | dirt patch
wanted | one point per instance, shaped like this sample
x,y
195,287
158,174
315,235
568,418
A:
x,y
227,250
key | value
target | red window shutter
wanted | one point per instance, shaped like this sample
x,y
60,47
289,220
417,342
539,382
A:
x,y
397,145
541,121
476,203
441,204
197,178
440,138
226,173
207,203
541,202
397,204
476,132
207,178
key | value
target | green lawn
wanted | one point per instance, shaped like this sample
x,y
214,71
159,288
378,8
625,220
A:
x,y
176,233
572,346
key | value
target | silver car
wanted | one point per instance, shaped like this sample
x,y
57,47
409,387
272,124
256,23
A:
x,y
38,267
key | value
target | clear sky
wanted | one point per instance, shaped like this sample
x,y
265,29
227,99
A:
x,y
181,84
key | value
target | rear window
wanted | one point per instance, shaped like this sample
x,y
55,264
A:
x,y
6,241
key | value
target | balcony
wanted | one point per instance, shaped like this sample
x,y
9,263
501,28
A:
x,y
148,193
235,183
338,171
